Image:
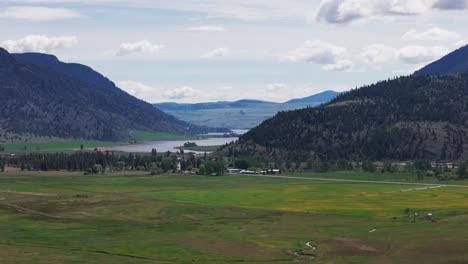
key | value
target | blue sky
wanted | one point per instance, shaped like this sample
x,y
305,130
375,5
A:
x,y
211,50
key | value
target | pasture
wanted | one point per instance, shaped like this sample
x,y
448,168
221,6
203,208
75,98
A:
x,y
57,146
63,217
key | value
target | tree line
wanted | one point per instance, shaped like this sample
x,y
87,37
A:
x,y
97,161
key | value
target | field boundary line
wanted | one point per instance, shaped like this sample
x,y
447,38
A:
x,y
27,210
362,181
90,251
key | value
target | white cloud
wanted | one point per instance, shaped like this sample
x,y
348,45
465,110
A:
x,y
208,28
141,47
432,34
139,90
276,87
345,11
341,65
36,13
216,53
377,53
155,94
421,54
461,43
414,54
38,43
181,93
315,51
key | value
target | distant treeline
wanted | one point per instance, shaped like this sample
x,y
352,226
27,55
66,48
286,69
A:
x,y
98,161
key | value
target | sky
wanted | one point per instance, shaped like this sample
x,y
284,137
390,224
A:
x,y
191,51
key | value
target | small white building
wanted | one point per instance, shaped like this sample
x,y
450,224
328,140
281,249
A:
x,y
248,172
233,171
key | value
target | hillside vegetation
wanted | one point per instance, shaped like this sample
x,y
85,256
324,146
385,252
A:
x,y
414,117
41,97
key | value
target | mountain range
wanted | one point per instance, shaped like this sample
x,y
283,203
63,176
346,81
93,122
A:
x,y
42,97
242,114
421,116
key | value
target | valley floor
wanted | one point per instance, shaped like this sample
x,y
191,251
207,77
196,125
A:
x,y
65,217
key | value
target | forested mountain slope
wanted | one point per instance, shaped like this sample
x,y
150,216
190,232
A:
x,y
43,97
414,117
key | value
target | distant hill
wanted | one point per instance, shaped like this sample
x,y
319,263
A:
x,y
41,97
323,97
414,117
243,114
456,61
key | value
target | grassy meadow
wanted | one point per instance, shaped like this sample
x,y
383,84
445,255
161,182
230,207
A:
x,y
57,146
201,148
64,217
148,136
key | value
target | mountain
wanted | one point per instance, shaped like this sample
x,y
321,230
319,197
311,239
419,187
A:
x,y
322,97
456,61
414,117
243,114
75,70
43,97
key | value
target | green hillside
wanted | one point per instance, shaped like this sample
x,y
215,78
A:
x,y
414,117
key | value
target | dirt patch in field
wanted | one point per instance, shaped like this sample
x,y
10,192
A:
x,y
347,246
225,248
353,250
340,239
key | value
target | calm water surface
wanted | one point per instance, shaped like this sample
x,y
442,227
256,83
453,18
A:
x,y
164,146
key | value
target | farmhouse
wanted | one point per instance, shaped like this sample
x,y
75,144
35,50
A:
x,y
444,164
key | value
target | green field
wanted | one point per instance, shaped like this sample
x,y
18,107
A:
x,y
57,146
148,136
201,148
64,217
392,177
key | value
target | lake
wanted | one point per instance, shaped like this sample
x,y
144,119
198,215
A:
x,y
164,146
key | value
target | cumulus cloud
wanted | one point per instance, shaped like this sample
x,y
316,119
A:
x,y
155,94
39,43
139,90
345,11
216,53
181,92
432,34
36,13
208,28
378,53
421,54
141,47
276,87
332,57
461,43
414,54
341,65
316,51
451,4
